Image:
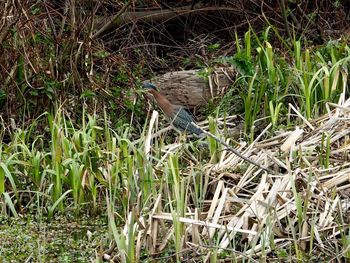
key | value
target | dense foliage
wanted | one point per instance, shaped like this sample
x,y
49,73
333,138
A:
x,y
76,138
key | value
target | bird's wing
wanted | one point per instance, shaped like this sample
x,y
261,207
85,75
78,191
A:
x,y
182,113
183,120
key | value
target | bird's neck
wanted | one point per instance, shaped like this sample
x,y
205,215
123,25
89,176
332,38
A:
x,y
163,103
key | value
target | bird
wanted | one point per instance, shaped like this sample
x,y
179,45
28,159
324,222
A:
x,y
178,116
182,120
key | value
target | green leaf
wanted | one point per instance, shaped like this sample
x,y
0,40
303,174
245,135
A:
x,y
87,94
2,180
59,200
10,204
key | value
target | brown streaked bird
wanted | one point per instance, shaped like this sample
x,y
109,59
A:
x,y
183,121
178,116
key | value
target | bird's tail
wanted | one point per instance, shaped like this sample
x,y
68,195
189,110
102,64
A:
x,y
198,132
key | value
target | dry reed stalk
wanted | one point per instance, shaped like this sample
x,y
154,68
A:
x,y
258,204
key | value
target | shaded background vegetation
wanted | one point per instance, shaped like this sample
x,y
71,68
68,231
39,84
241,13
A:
x,y
55,52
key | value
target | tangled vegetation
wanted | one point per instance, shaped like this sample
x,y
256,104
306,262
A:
x,y
76,139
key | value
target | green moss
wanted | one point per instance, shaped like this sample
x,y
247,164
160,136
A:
x,y
61,240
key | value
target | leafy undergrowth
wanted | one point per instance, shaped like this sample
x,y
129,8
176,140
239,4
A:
x,y
181,201
192,199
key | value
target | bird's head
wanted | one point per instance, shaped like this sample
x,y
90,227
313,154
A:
x,y
149,86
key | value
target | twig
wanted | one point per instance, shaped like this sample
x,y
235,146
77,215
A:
x,y
235,151
113,20
285,19
301,117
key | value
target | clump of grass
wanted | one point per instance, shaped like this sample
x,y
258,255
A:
x,y
309,78
67,167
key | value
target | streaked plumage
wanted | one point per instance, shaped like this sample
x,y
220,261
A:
x,y
183,121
